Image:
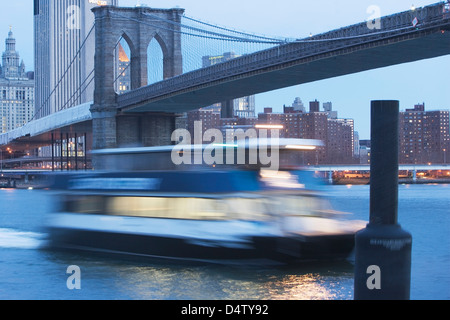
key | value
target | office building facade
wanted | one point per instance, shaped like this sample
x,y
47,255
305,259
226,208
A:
x,y
64,72
336,134
423,136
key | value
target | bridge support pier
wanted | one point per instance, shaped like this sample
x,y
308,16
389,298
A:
x,y
227,110
111,130
104,128
146,130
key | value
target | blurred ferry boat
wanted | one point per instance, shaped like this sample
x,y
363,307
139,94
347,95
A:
x,y
218,215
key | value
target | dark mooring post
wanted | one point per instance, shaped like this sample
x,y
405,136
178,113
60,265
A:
x,y
383,249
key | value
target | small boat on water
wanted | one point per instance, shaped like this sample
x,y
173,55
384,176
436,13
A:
x,y
213,215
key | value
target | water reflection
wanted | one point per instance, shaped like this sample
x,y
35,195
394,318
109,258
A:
x,y
311,286
228,283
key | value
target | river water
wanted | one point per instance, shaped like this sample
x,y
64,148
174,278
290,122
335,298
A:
x,y
27,272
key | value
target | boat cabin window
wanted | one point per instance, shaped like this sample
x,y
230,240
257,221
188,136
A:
x,y
301,206
236,208
171,208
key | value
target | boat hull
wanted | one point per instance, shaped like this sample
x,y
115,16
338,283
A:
x,y
271,250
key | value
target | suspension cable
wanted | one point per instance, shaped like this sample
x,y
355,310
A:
x,y
215,33
217,37
76,92
64,74
233,31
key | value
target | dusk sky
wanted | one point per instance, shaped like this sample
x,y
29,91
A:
x,y
412,83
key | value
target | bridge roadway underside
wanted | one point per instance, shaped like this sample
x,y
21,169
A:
x,y
27,143
322,66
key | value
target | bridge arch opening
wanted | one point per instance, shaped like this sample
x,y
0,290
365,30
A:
x,y
123,60
156,60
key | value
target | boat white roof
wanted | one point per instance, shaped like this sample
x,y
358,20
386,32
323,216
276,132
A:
x,y
251,143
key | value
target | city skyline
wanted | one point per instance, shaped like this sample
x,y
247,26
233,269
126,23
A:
x,y
412,83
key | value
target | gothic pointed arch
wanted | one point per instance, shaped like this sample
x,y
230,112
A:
x,y
157,54
123,57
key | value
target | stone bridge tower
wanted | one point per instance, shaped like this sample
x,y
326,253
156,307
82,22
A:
x,y
138,26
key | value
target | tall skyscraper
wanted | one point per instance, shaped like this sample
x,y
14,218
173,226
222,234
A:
x,y
16,89
63,72
242,107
